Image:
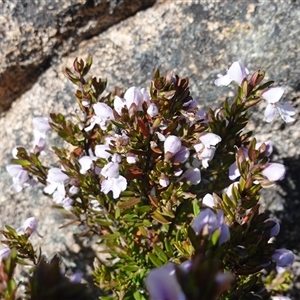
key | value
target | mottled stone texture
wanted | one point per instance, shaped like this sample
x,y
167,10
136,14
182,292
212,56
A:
x,y
34,32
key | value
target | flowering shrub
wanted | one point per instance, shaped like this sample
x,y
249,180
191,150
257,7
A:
x,y
168,190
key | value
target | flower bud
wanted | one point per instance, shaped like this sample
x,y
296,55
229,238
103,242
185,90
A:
x,y
274,171
208,222
193,175
4,253
276,227
29,227
162,284
284,258
172,144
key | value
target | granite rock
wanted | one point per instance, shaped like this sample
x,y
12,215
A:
x,y
199,39
32,33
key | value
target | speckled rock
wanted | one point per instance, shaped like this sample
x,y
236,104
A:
x,y
32,33
198,39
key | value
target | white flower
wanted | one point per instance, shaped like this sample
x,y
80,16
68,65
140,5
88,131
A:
x,y
206,149
237,72
273,95
103,113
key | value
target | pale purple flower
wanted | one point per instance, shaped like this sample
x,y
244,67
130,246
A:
x,y
115,184
103,114
193,175
146,96
74,189
20,177
190,105
152,110
172,144
269,147
41,125
286,111
132,95
86,163
212,222
162,284
237,72
55,178
101,151
76,277
29,227
234,172
206,149
284,258
274,171
67,203
110,170
201,115
164,181
4,253
113,180
276,227
182,155
280,298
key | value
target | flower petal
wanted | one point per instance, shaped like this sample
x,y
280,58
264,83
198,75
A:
x,y
274,171
273,95
237,72
270,113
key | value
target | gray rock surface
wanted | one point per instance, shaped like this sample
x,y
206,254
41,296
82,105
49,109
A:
x,y
32,33
198,39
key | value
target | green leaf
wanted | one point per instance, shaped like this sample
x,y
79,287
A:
x,y
159,218
103,222
168,247
21,162
143,209
110,236
160,253
215,237
196,208
154,259
129,203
